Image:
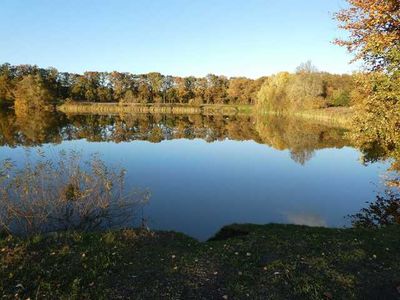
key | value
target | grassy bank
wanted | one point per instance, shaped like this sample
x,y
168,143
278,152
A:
x,y
115,108
242,262
340,116
333,116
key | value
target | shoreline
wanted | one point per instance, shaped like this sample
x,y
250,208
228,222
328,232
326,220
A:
x,y
115,108
340,116
335,116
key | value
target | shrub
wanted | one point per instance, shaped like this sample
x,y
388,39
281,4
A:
x,y
340,98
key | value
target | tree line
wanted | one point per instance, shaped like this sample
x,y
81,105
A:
x,y
29,86
37,85
307,88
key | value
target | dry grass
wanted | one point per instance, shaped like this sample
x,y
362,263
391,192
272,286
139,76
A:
x,y
340,116
333,116
116,108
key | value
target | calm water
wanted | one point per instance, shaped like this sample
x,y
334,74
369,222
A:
x,y
208,171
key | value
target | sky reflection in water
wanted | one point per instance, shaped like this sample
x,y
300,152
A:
x,y
199,186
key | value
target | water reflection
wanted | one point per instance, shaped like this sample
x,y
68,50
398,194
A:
x,y
31,128
300,137
208,171
306,219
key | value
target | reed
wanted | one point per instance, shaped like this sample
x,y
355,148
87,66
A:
x,y
334,116
116,108
341,116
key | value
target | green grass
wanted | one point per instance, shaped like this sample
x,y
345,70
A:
x,y
242,262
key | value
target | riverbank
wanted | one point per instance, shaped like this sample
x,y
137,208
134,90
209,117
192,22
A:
x,y
116,108
332,116
340,116
242,262
337,116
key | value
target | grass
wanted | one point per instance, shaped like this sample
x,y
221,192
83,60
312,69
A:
x,y
241,262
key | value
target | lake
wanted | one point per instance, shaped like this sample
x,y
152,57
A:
x,y
206,171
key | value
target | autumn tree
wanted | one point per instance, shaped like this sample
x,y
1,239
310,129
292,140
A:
x,y
374,32
145,93
374,38
185,88
242,90
216,89
64,83
273,93
167,89
157,88
121,83
6,84
306,87
155,81
199,90
337,89
32,93
91,84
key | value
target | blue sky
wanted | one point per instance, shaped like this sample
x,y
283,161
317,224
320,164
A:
x,y
178,37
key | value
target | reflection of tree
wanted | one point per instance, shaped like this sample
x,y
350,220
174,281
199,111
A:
x,y
36,127
385,210
8,130
31,127
376,146
300,137
301,156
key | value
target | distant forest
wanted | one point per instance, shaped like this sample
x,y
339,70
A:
x,y
31,86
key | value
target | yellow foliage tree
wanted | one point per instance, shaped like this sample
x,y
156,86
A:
x,y
32,93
